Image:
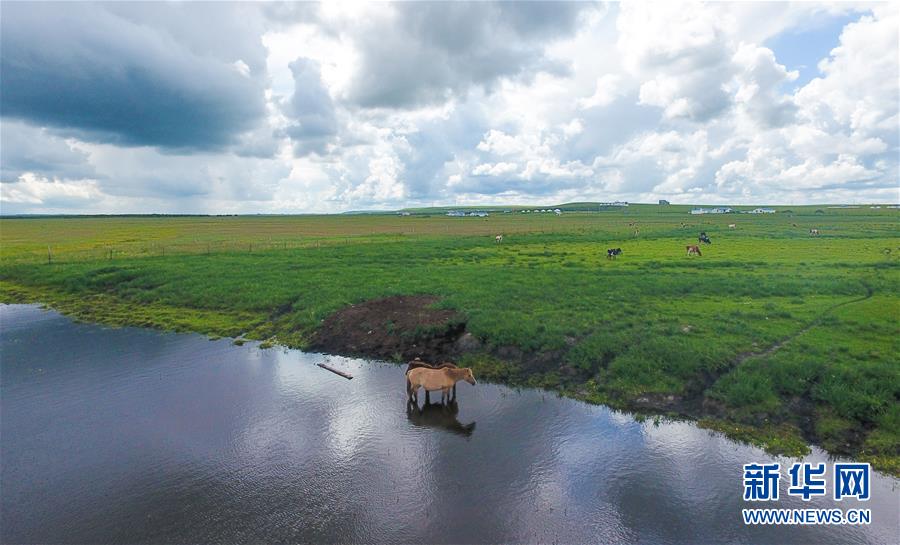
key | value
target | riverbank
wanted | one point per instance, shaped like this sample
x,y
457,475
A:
x,y
772,336
132,435
446,341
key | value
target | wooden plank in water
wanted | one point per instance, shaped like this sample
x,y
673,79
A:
x,y
335,371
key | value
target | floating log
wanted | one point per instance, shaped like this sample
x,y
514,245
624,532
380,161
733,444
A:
x,y
335,371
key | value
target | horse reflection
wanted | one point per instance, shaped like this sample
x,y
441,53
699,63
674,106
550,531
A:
x,y
440,416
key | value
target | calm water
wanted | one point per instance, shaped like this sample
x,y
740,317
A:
x,y
131,435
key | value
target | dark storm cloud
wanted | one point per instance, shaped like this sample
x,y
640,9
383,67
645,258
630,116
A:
x,y
132,75
311,109
432,51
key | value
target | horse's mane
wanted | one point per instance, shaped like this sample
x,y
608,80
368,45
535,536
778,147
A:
x,y
415,364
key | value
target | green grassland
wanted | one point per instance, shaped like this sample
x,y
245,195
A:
x,y
770,336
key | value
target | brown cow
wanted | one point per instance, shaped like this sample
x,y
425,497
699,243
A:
x,y
693,249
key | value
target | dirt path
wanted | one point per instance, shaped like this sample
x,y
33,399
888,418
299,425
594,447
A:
x,y
696,404
778,345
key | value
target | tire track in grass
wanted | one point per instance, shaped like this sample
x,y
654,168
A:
x,y
779,344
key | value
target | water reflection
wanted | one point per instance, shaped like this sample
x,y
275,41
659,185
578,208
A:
x,y
136,436
438,416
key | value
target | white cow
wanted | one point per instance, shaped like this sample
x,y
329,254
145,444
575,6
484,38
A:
x,y
731,226
498,239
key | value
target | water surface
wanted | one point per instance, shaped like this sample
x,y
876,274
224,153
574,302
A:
x,y
131,435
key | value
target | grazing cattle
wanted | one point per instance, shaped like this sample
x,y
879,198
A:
x,y
704,238
693,249
613,252
813,232
498,239
731,226
436,379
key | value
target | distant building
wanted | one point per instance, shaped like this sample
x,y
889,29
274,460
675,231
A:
x,y
663,201
718,210
762,211
456,214
558,212
616,203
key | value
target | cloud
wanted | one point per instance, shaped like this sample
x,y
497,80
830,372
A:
x,y
24,148
31,189
841,135
310,110
130,74
334,106
497,169
417,54
858,88
607,90
757,86
681,53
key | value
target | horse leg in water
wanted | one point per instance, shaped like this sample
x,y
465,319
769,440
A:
x,y
427,397
454,392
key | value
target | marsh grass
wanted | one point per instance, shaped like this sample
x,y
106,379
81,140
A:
x,y
650,324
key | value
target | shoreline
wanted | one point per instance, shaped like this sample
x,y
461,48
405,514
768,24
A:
x,y
775,438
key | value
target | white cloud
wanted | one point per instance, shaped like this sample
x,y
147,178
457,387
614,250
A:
x,y
381,106
860,85
497,169
33,189
609,88
756,86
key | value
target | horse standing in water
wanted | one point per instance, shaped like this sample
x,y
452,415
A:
x,y
417,363
436,379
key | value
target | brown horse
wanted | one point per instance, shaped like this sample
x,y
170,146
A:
x,y
417,363
436,379
693,249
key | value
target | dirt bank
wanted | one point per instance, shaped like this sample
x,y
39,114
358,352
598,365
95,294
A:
x,y
400,327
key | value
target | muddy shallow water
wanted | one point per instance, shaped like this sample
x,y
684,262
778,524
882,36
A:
x,y
131,435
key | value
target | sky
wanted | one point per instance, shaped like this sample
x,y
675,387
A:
x,y
230,108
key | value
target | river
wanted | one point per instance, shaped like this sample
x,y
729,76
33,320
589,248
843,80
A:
x,y
138,436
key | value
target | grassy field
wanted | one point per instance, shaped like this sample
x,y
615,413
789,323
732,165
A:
x,y
772,336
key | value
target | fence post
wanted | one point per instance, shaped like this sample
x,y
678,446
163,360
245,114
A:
x,y
49,255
